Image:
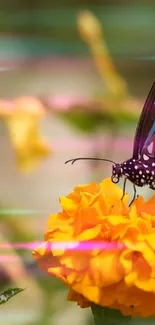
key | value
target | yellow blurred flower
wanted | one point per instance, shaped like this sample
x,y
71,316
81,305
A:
x,y
22,117
103,250
92,33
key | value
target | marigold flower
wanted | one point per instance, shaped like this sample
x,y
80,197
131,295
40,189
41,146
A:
x,y
103,250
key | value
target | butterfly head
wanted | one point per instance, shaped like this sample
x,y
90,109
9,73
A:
x,y
117,172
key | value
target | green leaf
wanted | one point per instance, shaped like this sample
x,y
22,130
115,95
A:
x,y
6,295
106,316
82,121
90,121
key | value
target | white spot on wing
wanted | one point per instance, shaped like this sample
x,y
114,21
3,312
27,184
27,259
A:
x,y
145,157
150,147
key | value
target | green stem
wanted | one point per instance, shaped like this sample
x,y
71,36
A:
x,y
106,316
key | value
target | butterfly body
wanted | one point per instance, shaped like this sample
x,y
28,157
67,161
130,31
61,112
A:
x,y
140,169
138,172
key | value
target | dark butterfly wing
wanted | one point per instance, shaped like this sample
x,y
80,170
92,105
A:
x,y
146,125
148,150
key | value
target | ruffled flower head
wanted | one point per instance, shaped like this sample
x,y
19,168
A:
x,y
103,250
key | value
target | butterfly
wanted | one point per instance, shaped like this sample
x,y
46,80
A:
x,y
140,169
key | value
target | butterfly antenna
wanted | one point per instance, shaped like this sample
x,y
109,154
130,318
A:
x,y
72,161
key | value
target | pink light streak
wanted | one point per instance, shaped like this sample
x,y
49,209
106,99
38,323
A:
x,y
71,245
74,246
86,246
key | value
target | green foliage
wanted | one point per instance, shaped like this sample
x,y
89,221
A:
x,y
90,121
59,25
8,294
83,121
106,316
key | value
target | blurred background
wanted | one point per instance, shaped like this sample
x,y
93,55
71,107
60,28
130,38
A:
x,y
74,76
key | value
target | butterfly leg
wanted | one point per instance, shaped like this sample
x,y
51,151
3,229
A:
x,y
124,186
134,195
